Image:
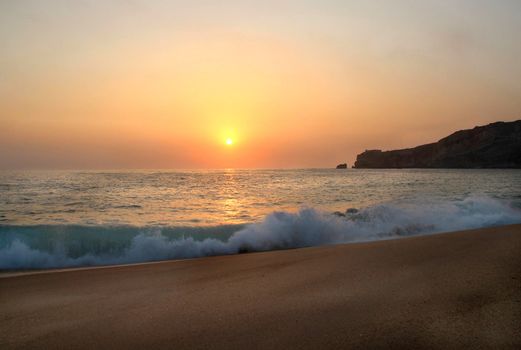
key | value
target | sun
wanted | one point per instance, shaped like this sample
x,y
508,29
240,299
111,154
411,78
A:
x,y
229,141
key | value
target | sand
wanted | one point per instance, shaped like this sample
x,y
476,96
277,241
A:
x,y
455,290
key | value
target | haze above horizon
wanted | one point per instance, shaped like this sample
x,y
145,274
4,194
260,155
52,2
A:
x,y
247,84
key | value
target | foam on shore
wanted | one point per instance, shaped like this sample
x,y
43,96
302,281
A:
x,y
38,247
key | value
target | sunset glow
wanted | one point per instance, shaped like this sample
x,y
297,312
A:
x,y
154,84
200,173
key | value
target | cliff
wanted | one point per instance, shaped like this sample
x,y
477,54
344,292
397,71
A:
x,y
496,145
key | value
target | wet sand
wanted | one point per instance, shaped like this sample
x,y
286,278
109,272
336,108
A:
x,y
455,290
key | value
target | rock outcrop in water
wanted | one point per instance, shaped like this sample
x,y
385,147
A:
x,y
496,145
342,166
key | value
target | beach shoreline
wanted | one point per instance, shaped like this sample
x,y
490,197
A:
x,y
446,290
25,272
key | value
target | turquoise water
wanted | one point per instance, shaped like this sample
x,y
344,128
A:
x,y
73,218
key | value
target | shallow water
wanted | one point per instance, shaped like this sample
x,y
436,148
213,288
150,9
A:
x,y
54,219
202,198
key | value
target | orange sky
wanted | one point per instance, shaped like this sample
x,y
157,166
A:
x,y
163,84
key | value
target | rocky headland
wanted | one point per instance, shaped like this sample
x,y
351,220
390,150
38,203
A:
x,y
496,145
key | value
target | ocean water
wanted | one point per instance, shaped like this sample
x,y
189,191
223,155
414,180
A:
x,y
82,218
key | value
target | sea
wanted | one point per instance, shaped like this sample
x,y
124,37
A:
x,y
56,219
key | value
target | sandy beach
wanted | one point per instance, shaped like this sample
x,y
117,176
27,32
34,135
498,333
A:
x,y
454,290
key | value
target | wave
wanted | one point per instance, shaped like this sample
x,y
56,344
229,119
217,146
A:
x,y
37,247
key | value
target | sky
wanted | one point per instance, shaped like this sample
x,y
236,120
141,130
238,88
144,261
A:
x,y
163,84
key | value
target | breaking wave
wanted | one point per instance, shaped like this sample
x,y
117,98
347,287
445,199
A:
x,y
36,247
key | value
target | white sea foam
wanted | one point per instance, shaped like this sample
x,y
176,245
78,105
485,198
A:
x,y
279,230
